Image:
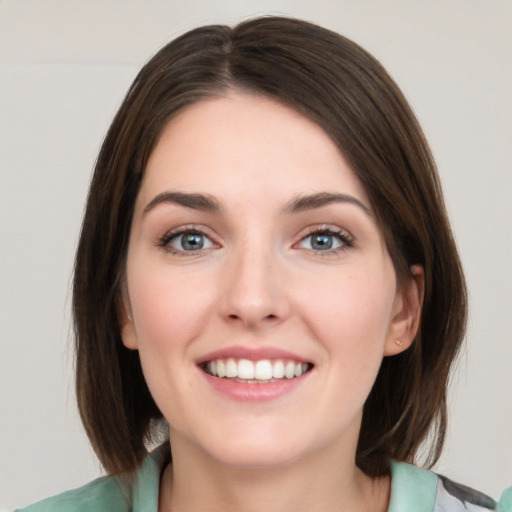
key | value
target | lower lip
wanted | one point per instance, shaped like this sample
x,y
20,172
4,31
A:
x,y
254,392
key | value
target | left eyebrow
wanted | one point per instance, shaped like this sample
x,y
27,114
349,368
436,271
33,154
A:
x,y
201,202
303,203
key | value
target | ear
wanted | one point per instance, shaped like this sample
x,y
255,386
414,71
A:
x,y
406,313
125,320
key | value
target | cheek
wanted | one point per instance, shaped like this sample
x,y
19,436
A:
x,y
352,313
167,308
169,314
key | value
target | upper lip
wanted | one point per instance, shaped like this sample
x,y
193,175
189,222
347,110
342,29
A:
x,y
251,353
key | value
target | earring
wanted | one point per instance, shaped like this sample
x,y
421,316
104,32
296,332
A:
x,y
399,342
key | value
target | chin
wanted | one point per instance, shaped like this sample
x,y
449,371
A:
x,y
250,444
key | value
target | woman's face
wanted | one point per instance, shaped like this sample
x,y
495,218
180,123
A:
x,y
260,293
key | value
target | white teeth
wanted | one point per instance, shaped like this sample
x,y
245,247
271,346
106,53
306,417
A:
x,y
263,370
278,370
289,370
231,368
245,369
221,369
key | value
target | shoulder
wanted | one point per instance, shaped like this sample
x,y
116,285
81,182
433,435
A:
x,y
123,493
420,490
107,493
452,496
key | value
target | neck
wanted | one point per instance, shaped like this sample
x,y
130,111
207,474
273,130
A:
x,y
320,483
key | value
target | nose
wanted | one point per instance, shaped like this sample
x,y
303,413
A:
x,y
254,296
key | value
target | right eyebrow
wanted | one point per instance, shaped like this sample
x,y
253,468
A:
x,y
310,202
201,202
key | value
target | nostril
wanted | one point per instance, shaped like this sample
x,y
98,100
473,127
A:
x,y
253,317
237,317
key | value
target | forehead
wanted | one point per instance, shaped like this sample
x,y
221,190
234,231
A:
x,y
243,144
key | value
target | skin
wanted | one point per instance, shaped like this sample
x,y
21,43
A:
x,y
260,282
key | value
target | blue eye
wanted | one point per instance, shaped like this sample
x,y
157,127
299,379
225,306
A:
x,y
187,241
321,242
325,240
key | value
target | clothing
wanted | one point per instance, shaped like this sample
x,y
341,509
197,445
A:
x,y
412,490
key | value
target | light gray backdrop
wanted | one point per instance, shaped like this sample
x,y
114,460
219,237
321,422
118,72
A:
x,y
64,68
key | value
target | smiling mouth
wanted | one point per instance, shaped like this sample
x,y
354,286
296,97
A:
x,y
255,372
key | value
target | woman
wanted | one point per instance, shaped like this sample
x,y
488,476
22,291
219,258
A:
x,y
266,276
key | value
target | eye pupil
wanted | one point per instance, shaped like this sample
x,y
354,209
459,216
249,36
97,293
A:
x,y
321,242
192,241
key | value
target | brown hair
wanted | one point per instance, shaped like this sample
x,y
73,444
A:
x,y
347,92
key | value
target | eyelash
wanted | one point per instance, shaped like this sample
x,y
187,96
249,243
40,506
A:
x,y
341,235
164,241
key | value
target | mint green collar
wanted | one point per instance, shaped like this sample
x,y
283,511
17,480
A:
x,y
146,480
412,489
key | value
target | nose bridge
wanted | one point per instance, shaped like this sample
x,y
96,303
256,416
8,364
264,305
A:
x,y
252,291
